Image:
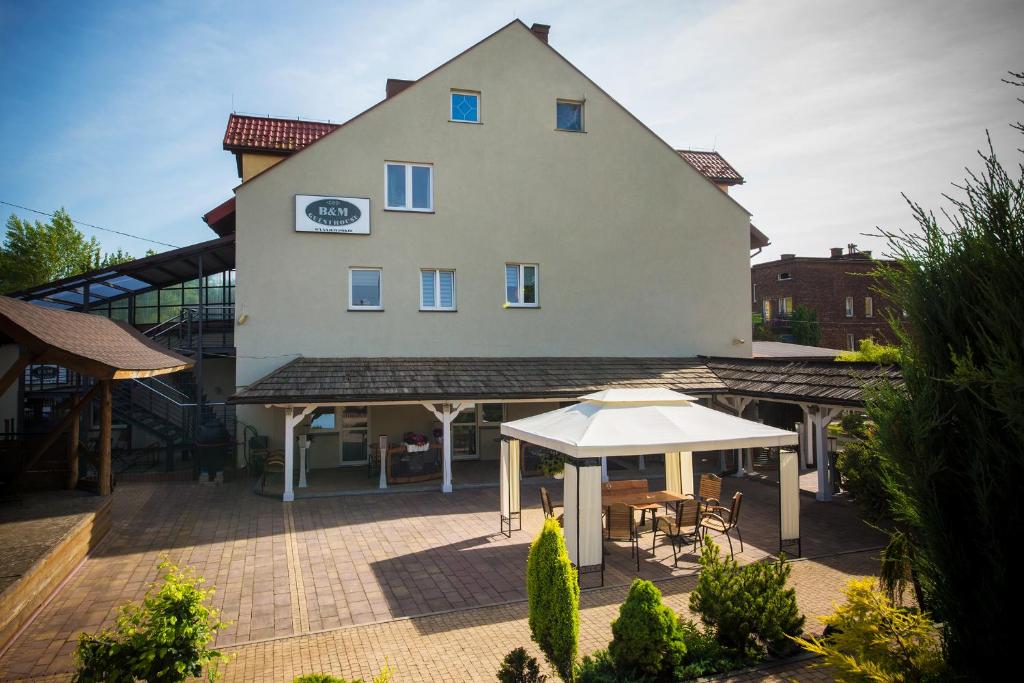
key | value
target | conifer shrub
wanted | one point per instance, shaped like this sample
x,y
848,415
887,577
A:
x,y
646,638
749,608
874,640
554,599
519,667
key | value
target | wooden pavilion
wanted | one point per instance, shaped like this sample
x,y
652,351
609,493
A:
x,y
96,347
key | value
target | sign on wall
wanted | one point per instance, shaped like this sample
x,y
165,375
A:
x,y
350,215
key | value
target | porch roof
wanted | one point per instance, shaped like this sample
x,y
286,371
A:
x,y
811,381
380,380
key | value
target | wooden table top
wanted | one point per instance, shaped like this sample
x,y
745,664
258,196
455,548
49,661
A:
x,y
639,498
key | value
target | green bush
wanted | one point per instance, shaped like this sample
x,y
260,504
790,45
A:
x,y
873,640
519,667
646,638
705,655
749,608
598,668
870,352
806,329
554,599
385,676
163,639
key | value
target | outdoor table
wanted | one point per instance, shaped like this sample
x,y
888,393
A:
x,y
638,500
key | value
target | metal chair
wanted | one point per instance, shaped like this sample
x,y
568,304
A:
x,y
684,527
273,461
724,520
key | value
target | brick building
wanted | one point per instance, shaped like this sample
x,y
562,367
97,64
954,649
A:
x,y
839,288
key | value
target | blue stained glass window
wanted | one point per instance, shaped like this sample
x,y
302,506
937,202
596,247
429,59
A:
x,y
421,187
569,116
465,107
396,186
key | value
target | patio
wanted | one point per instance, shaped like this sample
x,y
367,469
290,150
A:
x,y
331,562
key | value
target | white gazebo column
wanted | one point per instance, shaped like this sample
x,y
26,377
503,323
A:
x,y
382,448
789,500
807,438
679,473
291,421
582,513
604,469
509,487
820,424
446,416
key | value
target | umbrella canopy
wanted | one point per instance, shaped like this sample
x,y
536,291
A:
x,y
620,422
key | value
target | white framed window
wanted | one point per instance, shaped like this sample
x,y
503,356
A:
x,y
849,307
569,115
766,310
522,283
437,290
365,289
851,344
409,187
785,305
465,106
785,276
869,307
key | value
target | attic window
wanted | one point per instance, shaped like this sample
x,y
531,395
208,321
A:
x,y
785,276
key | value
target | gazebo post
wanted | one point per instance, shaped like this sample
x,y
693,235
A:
x,y
106,418
582,514
291,421
510,504
73,440
604,469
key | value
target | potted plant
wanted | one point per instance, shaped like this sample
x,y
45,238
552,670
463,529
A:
x,y
552,464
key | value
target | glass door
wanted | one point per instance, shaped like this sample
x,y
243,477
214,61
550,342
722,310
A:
x,y
464,435
355,428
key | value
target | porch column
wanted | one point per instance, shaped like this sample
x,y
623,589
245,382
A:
x,y
820,424
303,447
679,473
582,520
382,448
807,437
291,421
446,415
509,504
106,417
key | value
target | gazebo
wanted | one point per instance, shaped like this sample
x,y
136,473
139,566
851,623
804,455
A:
x,y
90,345
635,422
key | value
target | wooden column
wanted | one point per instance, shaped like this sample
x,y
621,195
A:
x,y
14,372
106,417
73,454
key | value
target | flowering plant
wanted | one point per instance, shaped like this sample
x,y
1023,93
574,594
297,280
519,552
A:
x,y
414,438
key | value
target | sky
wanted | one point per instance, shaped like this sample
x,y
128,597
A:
x,y
830,110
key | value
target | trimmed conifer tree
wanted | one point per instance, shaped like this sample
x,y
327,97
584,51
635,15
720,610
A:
x,y
554,599
647,639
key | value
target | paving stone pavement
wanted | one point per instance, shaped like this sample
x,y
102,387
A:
x,y
350,569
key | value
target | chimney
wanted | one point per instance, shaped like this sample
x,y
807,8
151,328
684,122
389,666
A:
x,y
866,253
837,252
786,257
541,31
395,86
851,248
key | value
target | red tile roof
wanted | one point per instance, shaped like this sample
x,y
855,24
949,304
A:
x,y
272,135
712,165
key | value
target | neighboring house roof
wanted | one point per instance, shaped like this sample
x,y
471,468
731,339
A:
x,y
221,219
712,165
820,381
312,380
758,239
88,344
271,135
770,349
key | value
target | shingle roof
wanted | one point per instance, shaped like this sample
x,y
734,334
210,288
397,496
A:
x,y
712,165
823,381
89,344
312,380
272,135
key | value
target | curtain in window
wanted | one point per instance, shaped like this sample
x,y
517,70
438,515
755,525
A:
x,y
420,187
396,185
427,289
512,284
447,289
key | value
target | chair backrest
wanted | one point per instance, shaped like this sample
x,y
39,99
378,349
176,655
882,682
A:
x,y
710,488
274,460
545,503
619,520
688,513
627,485
734,510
